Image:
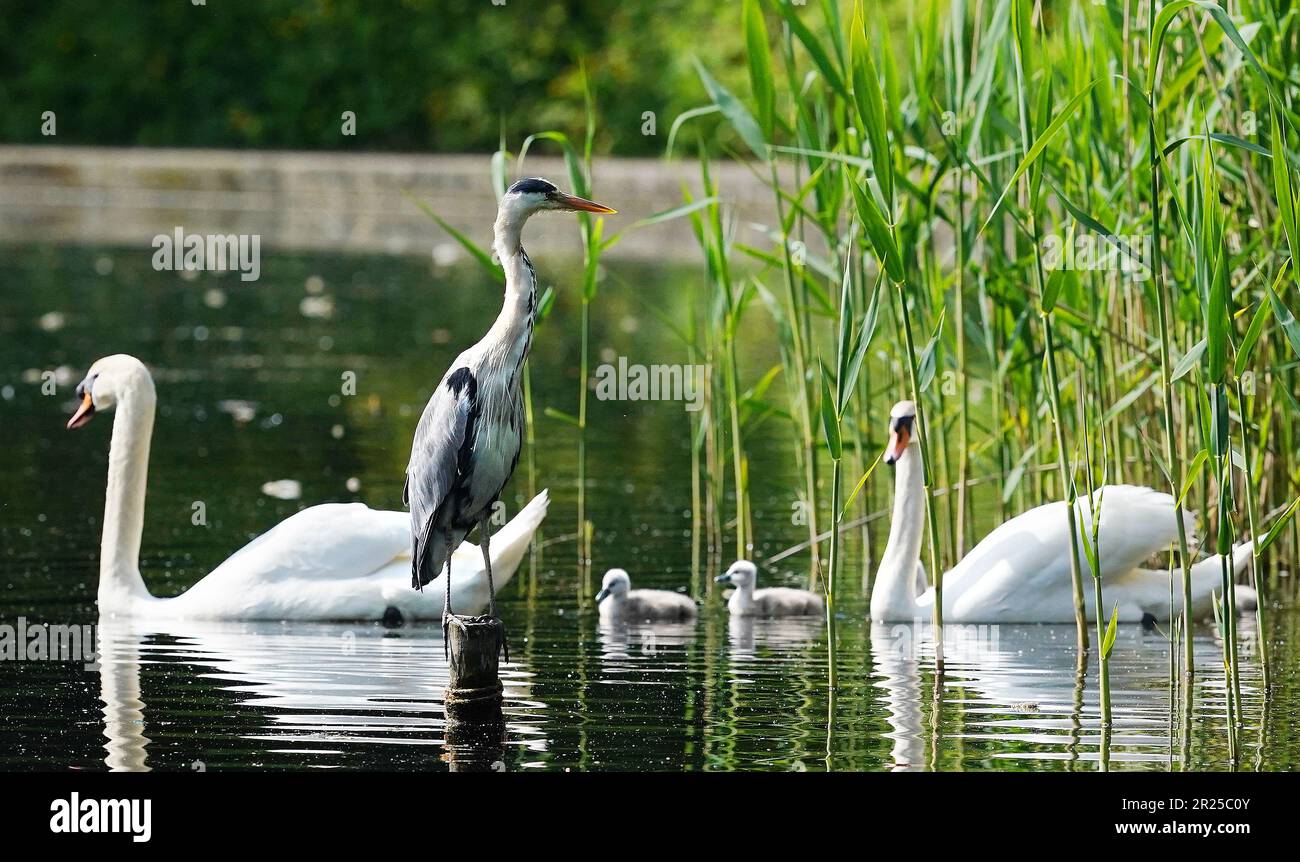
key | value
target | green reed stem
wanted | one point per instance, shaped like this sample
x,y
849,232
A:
x,y
803,408
1252,519
584,552
835,564
1166,384
932,526
1063,465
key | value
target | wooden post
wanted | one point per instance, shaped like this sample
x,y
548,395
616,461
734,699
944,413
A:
x,y
474,645
472,700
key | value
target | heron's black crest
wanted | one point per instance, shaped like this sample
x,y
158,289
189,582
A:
x,y
532,184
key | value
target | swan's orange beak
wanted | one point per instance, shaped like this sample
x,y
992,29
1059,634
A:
x,y
83,414
898,440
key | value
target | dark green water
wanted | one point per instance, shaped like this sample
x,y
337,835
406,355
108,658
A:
x,y
715,695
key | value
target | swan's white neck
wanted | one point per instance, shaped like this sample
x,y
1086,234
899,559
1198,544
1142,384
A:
x,y
120,584
893,597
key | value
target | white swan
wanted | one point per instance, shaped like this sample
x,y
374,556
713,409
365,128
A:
x,y
1020,572
335,561
617,601
769,602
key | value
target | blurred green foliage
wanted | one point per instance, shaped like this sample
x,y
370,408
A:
x,y
421,75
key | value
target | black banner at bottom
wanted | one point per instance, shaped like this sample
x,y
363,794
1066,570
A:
x,y
389,810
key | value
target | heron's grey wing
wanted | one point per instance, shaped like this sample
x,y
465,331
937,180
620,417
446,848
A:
x,y
444,431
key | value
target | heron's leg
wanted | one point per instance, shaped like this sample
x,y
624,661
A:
x,y
487,565
446,603
492,591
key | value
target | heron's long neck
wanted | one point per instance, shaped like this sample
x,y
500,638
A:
x,y
128,469
512,332
893,597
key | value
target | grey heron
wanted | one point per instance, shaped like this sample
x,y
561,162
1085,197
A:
x,y
467,442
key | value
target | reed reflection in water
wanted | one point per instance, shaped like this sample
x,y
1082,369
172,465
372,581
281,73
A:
x,y
720,693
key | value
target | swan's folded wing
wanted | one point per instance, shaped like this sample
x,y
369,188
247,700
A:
x,y
1012,569
1136,523
1028,544
332,540
1021,570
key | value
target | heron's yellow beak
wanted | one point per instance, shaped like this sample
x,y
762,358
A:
x,y
83,414
577,204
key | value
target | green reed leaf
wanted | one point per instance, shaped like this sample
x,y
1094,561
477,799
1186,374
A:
x,y
735,111
816,51
1193,471
830,421
848,504
1286,320
1112,628
878,232
1188,360
1277,526
1039,146
926,367
870,103
562,416
479,254
760,66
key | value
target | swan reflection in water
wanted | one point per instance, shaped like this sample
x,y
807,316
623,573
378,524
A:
x,y
780,634
311,693
660,646
338,695
643,646
1018,692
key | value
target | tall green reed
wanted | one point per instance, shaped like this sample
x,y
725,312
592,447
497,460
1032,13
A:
x,y
960,137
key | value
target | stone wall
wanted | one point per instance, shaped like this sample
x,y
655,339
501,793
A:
x,y
335,201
